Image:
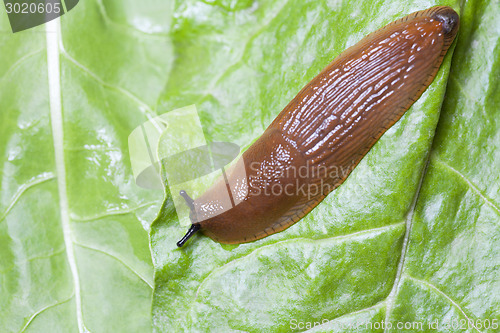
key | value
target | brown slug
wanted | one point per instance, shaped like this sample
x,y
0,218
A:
x,y
332,122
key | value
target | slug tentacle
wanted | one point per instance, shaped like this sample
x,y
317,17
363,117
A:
x,y
192,230
187,198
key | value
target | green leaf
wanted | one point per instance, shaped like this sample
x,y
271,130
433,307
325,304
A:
x,y
410,237
453,255
74,252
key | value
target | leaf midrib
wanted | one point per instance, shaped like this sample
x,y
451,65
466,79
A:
x,y
53,35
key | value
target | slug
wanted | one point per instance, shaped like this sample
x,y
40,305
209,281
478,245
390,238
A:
x,y
329,126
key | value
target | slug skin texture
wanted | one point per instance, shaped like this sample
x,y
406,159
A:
x,y
330,125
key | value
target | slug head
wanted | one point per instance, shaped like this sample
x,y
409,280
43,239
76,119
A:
x,y
194,226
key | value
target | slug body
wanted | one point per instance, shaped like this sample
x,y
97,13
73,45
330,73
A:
x,y
324,132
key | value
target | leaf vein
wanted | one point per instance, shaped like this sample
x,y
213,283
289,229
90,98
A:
x,y
371,307
409,224
215,81
43,256
448,298
111,212
30,320
54,45
472,186
462,89
132,29
46,176
328,239
117,259
19,62
144,106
